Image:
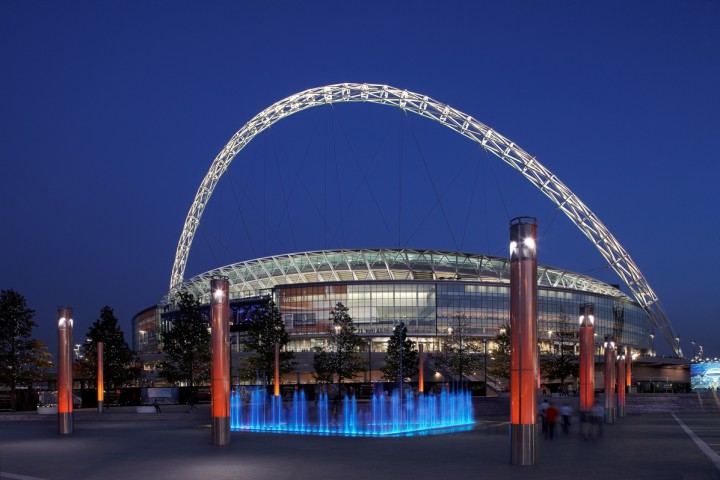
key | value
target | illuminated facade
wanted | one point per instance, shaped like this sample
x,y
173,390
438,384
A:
x,y
430,291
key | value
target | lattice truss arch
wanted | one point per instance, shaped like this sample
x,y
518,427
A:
x,y
588,223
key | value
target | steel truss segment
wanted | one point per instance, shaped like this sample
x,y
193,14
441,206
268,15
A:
x,y
463,124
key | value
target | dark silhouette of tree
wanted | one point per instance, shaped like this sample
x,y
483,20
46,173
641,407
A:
x,y
323,365
118,366
500,365
400,350
265,330
343,358
17,347
561,363
187,346
461,355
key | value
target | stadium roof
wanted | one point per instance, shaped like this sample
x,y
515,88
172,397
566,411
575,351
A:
x,y
253,278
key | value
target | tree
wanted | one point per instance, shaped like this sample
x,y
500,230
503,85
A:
x,y
323,365
266,329
344,359
187,346
501,355
118,368
16,344
461,355
561,362
402,356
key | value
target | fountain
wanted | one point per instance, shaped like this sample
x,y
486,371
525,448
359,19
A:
x,y
384,415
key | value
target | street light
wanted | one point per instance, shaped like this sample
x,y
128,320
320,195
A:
x,y
486,359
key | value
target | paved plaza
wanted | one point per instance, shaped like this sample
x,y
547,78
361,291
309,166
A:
x,y
176,444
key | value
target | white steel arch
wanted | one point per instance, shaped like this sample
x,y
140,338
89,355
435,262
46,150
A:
x,y
588,223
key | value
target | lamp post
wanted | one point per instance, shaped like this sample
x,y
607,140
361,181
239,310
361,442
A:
x,y
609,380
587,357
220,383
485,352
523,341
64,371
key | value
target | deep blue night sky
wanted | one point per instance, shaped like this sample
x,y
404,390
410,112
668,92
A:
x,y
111,113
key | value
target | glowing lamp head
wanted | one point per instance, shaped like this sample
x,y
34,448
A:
x,y
218,295
513,247
529,242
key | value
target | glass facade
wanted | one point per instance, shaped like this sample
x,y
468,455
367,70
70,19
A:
x,y
429,309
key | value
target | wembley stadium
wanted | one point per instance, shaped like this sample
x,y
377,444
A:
x,y
428,290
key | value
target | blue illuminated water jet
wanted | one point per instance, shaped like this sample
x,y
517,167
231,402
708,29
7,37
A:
x,y
383,415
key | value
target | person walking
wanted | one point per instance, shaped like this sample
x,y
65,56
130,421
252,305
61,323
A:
x,y
552,414
565,413
543,415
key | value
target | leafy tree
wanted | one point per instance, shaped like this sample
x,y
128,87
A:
x,y
500,366
16,344
561,362
323,365
344,359
461,355
402,355
266,329
36,363
187,346
118,368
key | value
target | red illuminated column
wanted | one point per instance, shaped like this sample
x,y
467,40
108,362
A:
x,y
523,341
609,380
620,382
276,384
100,377
587,357
220,383
628,367
64,371
421,369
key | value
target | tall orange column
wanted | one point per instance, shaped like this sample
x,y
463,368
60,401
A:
x,y
620,383
276,379
100,377
421,369
609,380
64,371
220,383
628,367
523,341
587,357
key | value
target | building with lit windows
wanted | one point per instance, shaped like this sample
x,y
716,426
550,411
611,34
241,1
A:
x,y
430,291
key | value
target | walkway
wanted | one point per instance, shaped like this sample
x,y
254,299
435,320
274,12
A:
x,y
177,445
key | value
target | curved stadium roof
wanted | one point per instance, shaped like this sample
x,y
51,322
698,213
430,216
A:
x,y
252,278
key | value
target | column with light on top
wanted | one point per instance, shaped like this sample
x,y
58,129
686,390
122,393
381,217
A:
x,y
523,341
64,371
100,377
587,357
220,383
609,380
620,382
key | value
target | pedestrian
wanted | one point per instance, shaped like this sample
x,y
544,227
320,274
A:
x,y
598,418
157,407
565,412
543,415
551,413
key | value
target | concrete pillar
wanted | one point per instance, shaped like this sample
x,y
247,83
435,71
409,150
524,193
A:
x,y
64,371
609,380
587,357
523,339
220,382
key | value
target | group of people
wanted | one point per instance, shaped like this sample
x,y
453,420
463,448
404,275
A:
x,y
549,416
590,422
